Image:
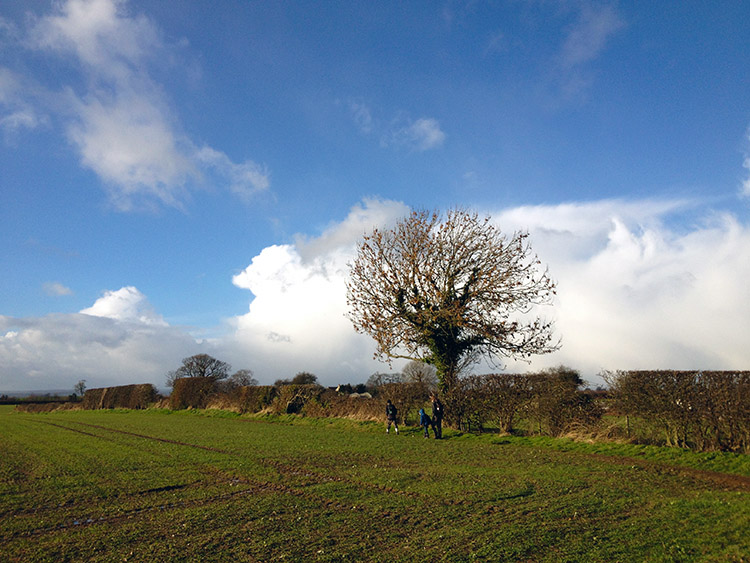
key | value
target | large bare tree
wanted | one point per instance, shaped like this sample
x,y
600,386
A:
x,y
447,288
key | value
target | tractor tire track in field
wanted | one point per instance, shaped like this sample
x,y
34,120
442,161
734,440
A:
x,y
725,480
249,487
156,438
283,468
128,433
74,430
728,481
286,470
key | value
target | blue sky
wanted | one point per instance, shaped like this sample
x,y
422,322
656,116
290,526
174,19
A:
x,y
194,179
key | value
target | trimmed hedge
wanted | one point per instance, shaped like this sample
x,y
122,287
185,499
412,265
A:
x,y
293,398
703,410
192,392
46,407
138,396
255,398
330,403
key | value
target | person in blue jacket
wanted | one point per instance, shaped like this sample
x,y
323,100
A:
x,y
425,421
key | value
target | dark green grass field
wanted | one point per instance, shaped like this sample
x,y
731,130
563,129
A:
x,y
160,486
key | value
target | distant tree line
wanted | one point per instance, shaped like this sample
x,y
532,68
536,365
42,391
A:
x,y
701,410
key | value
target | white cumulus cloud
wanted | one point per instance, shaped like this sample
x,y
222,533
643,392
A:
x,y
125,304
119,340
296,320
635,293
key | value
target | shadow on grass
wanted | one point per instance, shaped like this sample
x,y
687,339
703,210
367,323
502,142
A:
x,y
527,491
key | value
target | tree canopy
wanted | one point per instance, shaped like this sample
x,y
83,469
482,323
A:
x,y
302,378
200,365
446,289
240,378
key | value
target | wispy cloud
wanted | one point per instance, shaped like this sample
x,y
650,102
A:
x,y
56,289
116,113
421,135
584,42
745,189
362,116
496,44
128,143
16,113
245,179
589,35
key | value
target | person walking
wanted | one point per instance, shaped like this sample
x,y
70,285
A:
x,y
437,417
425,421
391,413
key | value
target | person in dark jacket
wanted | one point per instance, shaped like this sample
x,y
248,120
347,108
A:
x,y
425,421
390,415
437,416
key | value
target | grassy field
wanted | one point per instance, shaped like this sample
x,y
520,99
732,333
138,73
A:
x,y
161,486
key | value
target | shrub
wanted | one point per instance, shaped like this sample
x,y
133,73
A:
x,y
466,403
556,402
725,409
509,393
